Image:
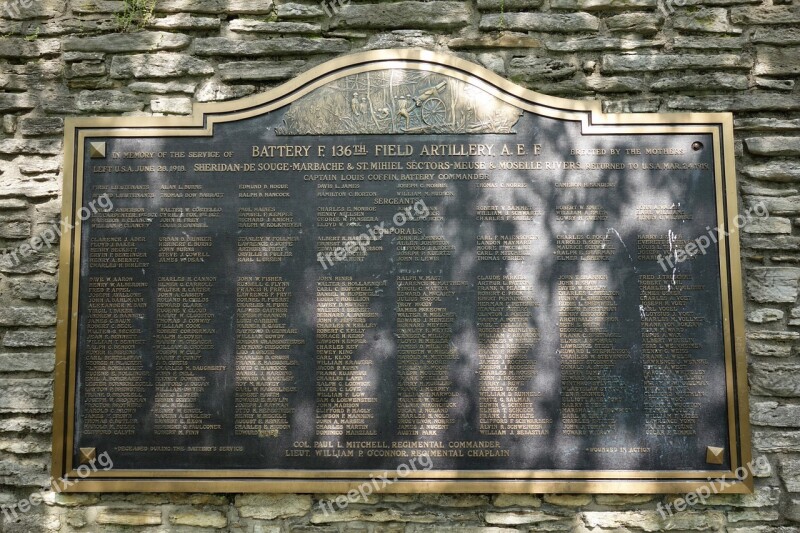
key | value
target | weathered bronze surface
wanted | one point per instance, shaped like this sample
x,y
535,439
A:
x,y
398,259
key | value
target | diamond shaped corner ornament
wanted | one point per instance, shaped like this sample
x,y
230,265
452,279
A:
x,y
87,455
714,455
97,150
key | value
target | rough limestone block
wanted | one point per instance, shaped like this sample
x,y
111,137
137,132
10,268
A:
x,y
13,203
191,517
766,15
773,145
600,43
292,10
775,379
778,85
773,413
509,5
619,500
350,514
777,171
768,349
705,20
164,65
146,41
184,21
190,6
26,395
214,91
25,338
276,27
516,500
269,506
769,225
789,468
544,22
171,106
701,82
615,84
663,62
35,126
763,316
249,7
17,102
402,39
761,101
220,46
653,521
121,516
704,42
155,87
15,227
793,510
519,518
108,101
754,515
260,70
773,284
642,23
12,47
503,40
95,7
29,146
602,5
22,424
394,15
531,68
633,105
754,190
784,205
27,316
761,497
779,36
27,362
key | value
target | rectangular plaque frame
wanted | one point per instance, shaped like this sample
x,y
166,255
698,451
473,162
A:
x,y
592,122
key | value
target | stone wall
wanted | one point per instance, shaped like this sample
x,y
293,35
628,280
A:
x,y
68,57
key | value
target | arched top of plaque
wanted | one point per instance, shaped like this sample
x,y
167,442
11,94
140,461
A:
x,y
404,91
399,100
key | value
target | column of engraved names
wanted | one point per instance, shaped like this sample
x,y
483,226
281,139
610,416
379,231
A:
x,y
265,381
506,336
346,396
674,381
424,354
183,335
115,382
591,391
118,380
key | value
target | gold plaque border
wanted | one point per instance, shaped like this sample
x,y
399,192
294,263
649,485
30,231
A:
x,y
593,122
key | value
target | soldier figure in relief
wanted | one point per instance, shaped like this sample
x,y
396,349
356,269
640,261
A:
x,y
404,111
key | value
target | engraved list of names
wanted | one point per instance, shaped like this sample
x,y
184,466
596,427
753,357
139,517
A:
x,y
400,263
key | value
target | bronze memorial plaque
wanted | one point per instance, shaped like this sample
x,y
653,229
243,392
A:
x,y
401,265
